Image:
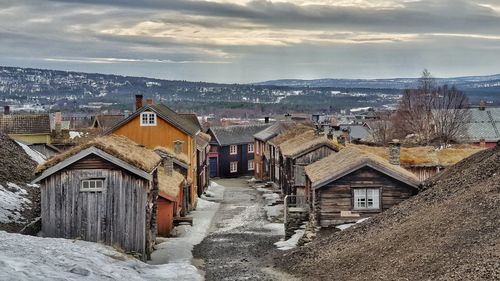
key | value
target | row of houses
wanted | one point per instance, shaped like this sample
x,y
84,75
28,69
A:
x,y
134,182
336,181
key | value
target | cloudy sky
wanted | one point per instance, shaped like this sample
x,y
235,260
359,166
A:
x,y
248,41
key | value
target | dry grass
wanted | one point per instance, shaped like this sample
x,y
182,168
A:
x,y
119,146
349,158
425,155
290,133
305,141
169,185
170,152
205,137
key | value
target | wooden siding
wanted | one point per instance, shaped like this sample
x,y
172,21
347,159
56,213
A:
x,y
337,196
242,158
165,216
163,134
115,216
32,139
423,173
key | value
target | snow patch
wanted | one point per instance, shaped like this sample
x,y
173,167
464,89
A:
x,y
12,203
75,134
347,225
33,154
292,242
34,258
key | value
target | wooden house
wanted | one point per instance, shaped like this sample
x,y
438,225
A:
x,y
353,184
27,128
275,160
104,191
171,199
202,149
232,150
483,128
103,122
263,149
425,161
156,125
297,153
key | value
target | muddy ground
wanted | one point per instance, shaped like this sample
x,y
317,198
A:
x,y
240,245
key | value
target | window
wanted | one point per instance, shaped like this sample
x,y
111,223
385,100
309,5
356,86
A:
x,y
251,165
250,147
148,119
233,149
233,167
178,146
366,198
92,185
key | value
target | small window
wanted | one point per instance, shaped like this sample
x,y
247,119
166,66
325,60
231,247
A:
x,y
366,198
233,149
233,167
92,185
251,165
148,119
250,148
178,146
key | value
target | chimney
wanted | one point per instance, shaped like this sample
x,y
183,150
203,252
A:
x,y
149,101
333,121
168,164
315,118
482,143
266,119
288,116
395,152
341,140
482,105
58,121
138,102
6,110
345,134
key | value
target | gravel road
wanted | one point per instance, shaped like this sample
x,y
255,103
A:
x,y
240,244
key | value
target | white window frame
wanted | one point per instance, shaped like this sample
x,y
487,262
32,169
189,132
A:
x,y
233,149
233,167
251,148
366,198
93,185
148,119
256,149
251,165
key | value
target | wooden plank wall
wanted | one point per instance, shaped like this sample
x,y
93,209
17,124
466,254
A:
x,y
337,196
115,216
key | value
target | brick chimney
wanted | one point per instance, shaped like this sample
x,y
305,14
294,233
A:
x,y
138,102
168,164
6,110
333,121
482,105
149,101
58,121
345,134
482,143
395,152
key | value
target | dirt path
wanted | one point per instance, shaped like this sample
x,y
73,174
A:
x,y
241,242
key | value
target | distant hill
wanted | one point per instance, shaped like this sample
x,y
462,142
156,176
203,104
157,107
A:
x,y
470,82
42,89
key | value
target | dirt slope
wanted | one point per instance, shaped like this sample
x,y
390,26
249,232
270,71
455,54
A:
x,y
449,231
16,167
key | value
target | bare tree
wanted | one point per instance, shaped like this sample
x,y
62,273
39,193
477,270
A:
x,y
381,129
432,113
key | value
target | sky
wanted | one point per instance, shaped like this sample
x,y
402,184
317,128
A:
x,y
242,41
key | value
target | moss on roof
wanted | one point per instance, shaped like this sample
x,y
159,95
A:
x,y
169,186
290,133
425,155
170,152
118,146
307,140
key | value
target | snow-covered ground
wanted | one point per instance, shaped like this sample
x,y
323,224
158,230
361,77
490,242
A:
x,y
292,242
33,154
347,225
27,258
274,211
12,202
178,250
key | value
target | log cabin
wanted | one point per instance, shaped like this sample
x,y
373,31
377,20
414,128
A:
x,y
103,191
353,184
202,149
263,149
425,161
171,200
157,125
275,160
300,151
27,128
232,150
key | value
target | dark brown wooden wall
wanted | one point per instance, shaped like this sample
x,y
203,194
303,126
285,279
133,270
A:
x,y
337,196
115,216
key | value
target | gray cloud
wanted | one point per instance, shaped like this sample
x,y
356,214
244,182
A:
x,y
259,40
